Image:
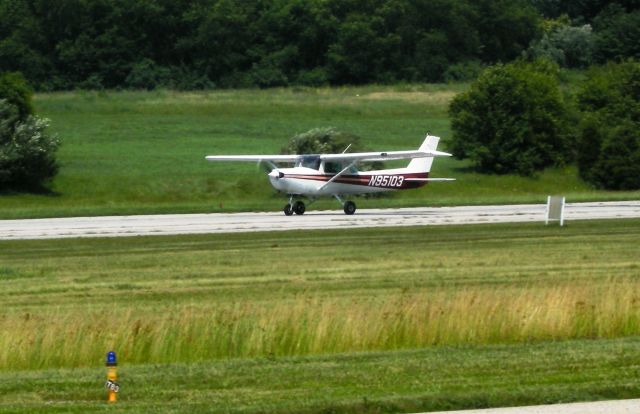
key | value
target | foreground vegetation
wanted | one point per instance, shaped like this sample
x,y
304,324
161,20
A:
x,y
143,152
383,382
267,321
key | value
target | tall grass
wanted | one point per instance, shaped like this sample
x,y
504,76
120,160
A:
x,y
307,325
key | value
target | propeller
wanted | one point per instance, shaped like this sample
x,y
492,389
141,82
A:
x,y
270,168
265,166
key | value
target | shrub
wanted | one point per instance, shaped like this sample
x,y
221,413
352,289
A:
x,y
609,134
328,140
313,77
512,120
147,75
322,140
26,150
93,82
185,79
463,71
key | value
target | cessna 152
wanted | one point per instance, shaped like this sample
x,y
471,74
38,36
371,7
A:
x,y
337,175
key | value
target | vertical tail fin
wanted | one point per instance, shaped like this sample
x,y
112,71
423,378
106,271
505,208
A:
x,y
424,164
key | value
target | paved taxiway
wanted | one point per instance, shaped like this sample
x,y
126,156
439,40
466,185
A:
x,y
112,226
599,407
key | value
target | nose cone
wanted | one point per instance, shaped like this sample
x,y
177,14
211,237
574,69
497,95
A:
x,y
274,178
275,174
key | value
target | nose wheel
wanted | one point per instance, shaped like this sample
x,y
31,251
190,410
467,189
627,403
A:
x,y
298,207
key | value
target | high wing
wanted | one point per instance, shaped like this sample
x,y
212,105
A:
x,y
272,158
353,157
383,156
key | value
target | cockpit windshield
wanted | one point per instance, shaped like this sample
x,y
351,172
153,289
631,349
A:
x,y
310,161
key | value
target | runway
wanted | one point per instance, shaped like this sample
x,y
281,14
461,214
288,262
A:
x,y
171,224
599,407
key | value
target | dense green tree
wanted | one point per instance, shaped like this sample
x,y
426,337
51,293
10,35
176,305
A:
x,y
506,28
22,40
195,44
15,90
566,45
512,120
360,52
617,34
609,138
583,11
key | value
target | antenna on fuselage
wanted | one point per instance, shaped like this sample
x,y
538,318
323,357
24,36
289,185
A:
x,y
345,150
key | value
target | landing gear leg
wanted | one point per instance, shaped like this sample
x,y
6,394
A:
x,y
348,206
288,209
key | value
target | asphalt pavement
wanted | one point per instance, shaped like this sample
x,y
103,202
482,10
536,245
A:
x,y
168,224
599,407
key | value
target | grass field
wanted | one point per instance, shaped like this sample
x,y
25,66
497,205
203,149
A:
x,y
143,152
376,320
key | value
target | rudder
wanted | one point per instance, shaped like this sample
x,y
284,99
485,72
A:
x,y
424,164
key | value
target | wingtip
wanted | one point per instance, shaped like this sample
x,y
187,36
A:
x,y
438,154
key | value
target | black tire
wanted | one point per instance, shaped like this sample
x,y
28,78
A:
x,y
349,208
287,210
299,208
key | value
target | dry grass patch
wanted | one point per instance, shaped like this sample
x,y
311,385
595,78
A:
x,y
319,325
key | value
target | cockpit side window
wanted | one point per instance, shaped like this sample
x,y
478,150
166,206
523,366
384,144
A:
x,y
332,167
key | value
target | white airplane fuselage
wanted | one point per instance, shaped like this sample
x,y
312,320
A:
x,y
313,183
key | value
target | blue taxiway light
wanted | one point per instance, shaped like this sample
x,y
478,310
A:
x,y
111,359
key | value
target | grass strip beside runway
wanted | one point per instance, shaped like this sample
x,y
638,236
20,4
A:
x,y
193,298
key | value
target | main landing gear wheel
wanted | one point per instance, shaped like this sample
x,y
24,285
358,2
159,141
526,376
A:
x,y
288,210
299,208
349,208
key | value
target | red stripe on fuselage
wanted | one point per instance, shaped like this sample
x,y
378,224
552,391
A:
x,y
366,180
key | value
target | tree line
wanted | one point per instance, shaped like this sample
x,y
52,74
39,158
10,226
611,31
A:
x,y
198,44
515,119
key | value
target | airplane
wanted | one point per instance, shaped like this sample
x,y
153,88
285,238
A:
x,y
337,175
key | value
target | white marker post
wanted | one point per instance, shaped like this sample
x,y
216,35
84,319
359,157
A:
x,y
555,209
